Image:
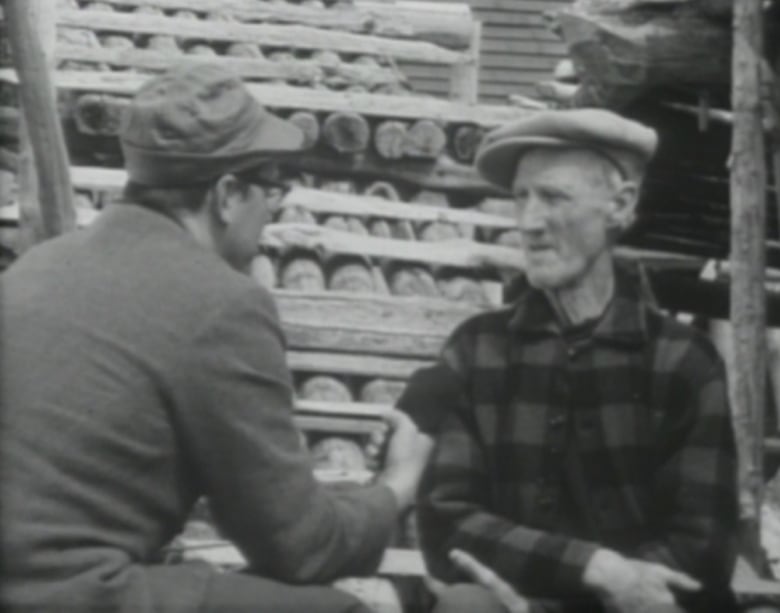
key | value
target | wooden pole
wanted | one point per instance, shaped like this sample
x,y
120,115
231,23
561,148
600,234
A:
x,y
45,187
748,227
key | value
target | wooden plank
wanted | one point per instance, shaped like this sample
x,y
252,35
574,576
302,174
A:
x,y
446,24
464,81
289,97
353,364
342,409
457,253
258,68
524,46
319,201
271,35
44,177
340,425
748,299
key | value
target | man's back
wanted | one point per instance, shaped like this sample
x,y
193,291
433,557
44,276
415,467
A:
x,y
96,328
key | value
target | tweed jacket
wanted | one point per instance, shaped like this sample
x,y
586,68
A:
x,y
139,372
553,447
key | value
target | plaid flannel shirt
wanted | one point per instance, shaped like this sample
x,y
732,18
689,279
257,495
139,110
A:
x,y
635,417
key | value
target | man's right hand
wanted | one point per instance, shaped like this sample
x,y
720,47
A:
x,y
635,586
407,454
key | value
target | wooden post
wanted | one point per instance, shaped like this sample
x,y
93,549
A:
x,y
748,227
464,84
44,175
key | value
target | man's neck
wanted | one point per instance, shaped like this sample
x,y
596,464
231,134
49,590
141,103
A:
x,y
587,298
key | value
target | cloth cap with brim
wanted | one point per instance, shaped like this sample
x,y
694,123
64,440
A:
x,y
196,122
628,144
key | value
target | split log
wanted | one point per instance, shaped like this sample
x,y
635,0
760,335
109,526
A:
x,y
116,41
309,125
438,231
297,215
390,139
200,49
346,132
463,289
383,189
322,387
621,54
355,226
430,197
404,230
465,142
425,139
381,391
336,222
163,44
99,114
249,50
380,228
302,272
338,453
263,271
350,275
413,281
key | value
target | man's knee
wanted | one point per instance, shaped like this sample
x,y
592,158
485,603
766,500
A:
x,y
467,598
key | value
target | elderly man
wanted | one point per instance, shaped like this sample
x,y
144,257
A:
x,y
142,371
585,459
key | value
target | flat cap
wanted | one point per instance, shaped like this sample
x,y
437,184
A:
x,y
197,121
628,144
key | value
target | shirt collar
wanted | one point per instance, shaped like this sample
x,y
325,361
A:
x,y
623,322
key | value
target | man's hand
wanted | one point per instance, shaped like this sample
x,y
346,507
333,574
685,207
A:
x,y
407,454
635,586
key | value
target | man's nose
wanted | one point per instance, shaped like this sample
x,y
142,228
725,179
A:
x,y
532,217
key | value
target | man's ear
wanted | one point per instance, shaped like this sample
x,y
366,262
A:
x,y
622,209
227,198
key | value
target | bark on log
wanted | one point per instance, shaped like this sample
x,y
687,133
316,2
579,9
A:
x,y
619,55
390,139
747,261
465,141
425,139
309,125
346,132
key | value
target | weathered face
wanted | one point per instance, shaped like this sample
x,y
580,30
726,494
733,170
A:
x,y
565,201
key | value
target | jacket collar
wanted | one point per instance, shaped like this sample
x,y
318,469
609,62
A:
x,y
623,322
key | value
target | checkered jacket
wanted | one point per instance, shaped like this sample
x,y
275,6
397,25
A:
x,y
550,450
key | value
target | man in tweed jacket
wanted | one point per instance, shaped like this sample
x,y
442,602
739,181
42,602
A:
x,y
586,458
